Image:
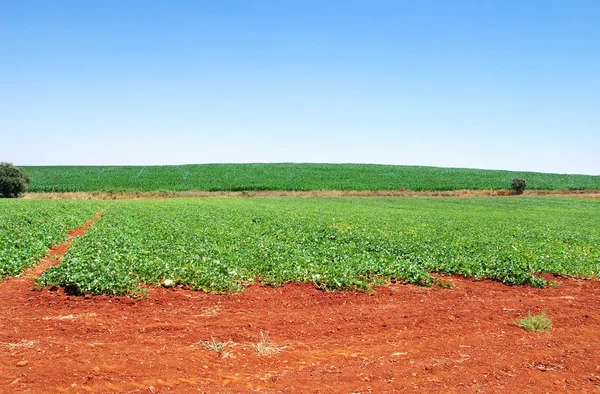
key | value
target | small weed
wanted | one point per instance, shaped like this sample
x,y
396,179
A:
x,y
217,346
265,347
539,322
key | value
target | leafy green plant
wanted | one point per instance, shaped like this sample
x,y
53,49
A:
x,y
534,323
29,227
13,181
518,186
223,244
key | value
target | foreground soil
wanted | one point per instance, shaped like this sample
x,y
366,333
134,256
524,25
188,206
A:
x,y
402,338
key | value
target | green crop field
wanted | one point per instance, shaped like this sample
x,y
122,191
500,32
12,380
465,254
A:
x,y
222,244
236,177
29,228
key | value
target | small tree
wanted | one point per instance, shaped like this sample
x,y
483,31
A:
x,y
13,181
518,186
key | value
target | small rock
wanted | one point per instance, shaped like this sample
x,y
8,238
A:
x,y
22,363
168,283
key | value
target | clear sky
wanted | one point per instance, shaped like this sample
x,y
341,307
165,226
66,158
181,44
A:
x,y
484,84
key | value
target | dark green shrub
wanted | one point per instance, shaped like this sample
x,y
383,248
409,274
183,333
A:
x,y
518,186
13,181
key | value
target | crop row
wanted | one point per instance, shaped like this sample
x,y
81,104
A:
x,y
29,228
223,244
288,176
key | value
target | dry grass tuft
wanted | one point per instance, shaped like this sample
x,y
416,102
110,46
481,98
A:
x,y
70,317
25,343
265,347
222,348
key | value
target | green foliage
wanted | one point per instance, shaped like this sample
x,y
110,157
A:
x,y
222,245
539,322
288,176
29,227
518,186
13,181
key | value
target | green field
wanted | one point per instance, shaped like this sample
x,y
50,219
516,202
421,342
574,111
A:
x,y
29,228
237,177
223,244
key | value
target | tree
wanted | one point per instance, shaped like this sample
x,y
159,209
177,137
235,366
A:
x,y
13,181
518,186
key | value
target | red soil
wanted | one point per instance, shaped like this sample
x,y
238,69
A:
x,y
404,338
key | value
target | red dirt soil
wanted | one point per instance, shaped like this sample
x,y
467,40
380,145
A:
x,y
403,338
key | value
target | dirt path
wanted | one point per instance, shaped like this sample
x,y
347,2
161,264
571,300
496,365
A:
x,y
404,338
312,193
24,282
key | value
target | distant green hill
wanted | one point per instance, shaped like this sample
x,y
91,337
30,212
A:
x,y
289,176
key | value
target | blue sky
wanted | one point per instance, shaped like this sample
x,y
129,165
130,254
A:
x,y
482,84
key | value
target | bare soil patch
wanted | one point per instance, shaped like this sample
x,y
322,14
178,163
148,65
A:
x,y
312,193
403,338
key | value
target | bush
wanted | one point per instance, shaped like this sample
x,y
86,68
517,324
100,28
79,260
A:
x,y
518,186
13,181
